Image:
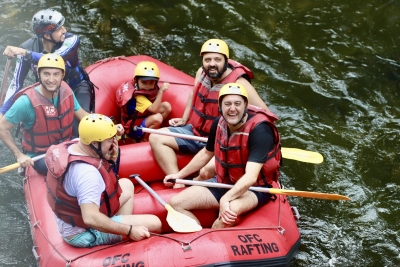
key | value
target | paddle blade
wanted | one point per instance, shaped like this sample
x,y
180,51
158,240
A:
x,y
181,223
307,194
302,155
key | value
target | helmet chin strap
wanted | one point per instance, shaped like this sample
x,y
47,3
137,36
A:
x,y
51,40
97,149
242,119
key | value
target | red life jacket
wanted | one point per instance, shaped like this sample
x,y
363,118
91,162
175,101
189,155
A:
x,y
66,207
205,98
52,126
126,92
232,153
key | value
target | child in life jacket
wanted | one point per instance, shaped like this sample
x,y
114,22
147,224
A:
x,y
140,101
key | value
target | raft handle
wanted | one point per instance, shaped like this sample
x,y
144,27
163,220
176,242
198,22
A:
x,y
35,254
296,213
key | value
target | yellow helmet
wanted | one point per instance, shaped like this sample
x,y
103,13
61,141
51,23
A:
x,y
232,89
215,46
51,61
147,70
96,127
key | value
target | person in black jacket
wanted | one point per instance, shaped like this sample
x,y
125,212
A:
x,y
51,37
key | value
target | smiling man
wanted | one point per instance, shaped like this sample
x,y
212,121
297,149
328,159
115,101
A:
x,y
246,145
202,106
51,37
45,110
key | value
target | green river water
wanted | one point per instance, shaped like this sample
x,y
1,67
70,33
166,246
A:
x,y
329,69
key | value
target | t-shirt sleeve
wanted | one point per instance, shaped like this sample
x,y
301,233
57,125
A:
x,y
21,111
142,103
261,142
211,138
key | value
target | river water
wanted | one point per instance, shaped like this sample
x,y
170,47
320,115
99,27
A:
x,y
329,69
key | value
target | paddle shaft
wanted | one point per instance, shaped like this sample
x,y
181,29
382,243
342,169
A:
x,y
288,153
269,190
149,189
4,84
16,165
183,136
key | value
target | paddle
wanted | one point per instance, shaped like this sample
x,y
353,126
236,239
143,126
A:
x,y
267,190
3,86
16,165
179,222
287,153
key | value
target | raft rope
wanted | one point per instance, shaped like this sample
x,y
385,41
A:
x,y
105,60
37,226
185,244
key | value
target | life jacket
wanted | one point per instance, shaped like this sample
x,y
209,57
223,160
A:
x,y
52,126
126,93
205,98
66,207
232,153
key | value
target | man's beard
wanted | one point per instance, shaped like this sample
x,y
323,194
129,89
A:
x,y
214,75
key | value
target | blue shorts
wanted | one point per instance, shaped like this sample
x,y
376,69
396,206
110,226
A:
x,y
138,134
91,237
263,198
187,146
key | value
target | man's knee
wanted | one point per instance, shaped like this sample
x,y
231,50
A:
x,y
126,186
157,139
177,202
207,172
153,140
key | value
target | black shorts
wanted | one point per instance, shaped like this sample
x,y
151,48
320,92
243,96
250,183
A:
x,y
263,198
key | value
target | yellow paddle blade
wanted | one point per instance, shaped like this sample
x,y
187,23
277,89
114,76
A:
x,y
181,223
307,194
302,155
9,168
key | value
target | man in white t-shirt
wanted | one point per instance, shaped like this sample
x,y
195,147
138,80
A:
x,y
93,206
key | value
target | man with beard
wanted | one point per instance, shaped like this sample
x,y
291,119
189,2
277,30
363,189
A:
x,y
246,145
51,37
202,107
91,204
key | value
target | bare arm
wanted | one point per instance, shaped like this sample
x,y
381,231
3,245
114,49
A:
x,y
12,51
155,106
244,183
97,220
8,140
80,114
199,161
254,98
185,117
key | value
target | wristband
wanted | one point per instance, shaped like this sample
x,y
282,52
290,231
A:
x,y
130,230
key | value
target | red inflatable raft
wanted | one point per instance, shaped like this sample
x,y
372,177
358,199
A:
x,y
267,236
